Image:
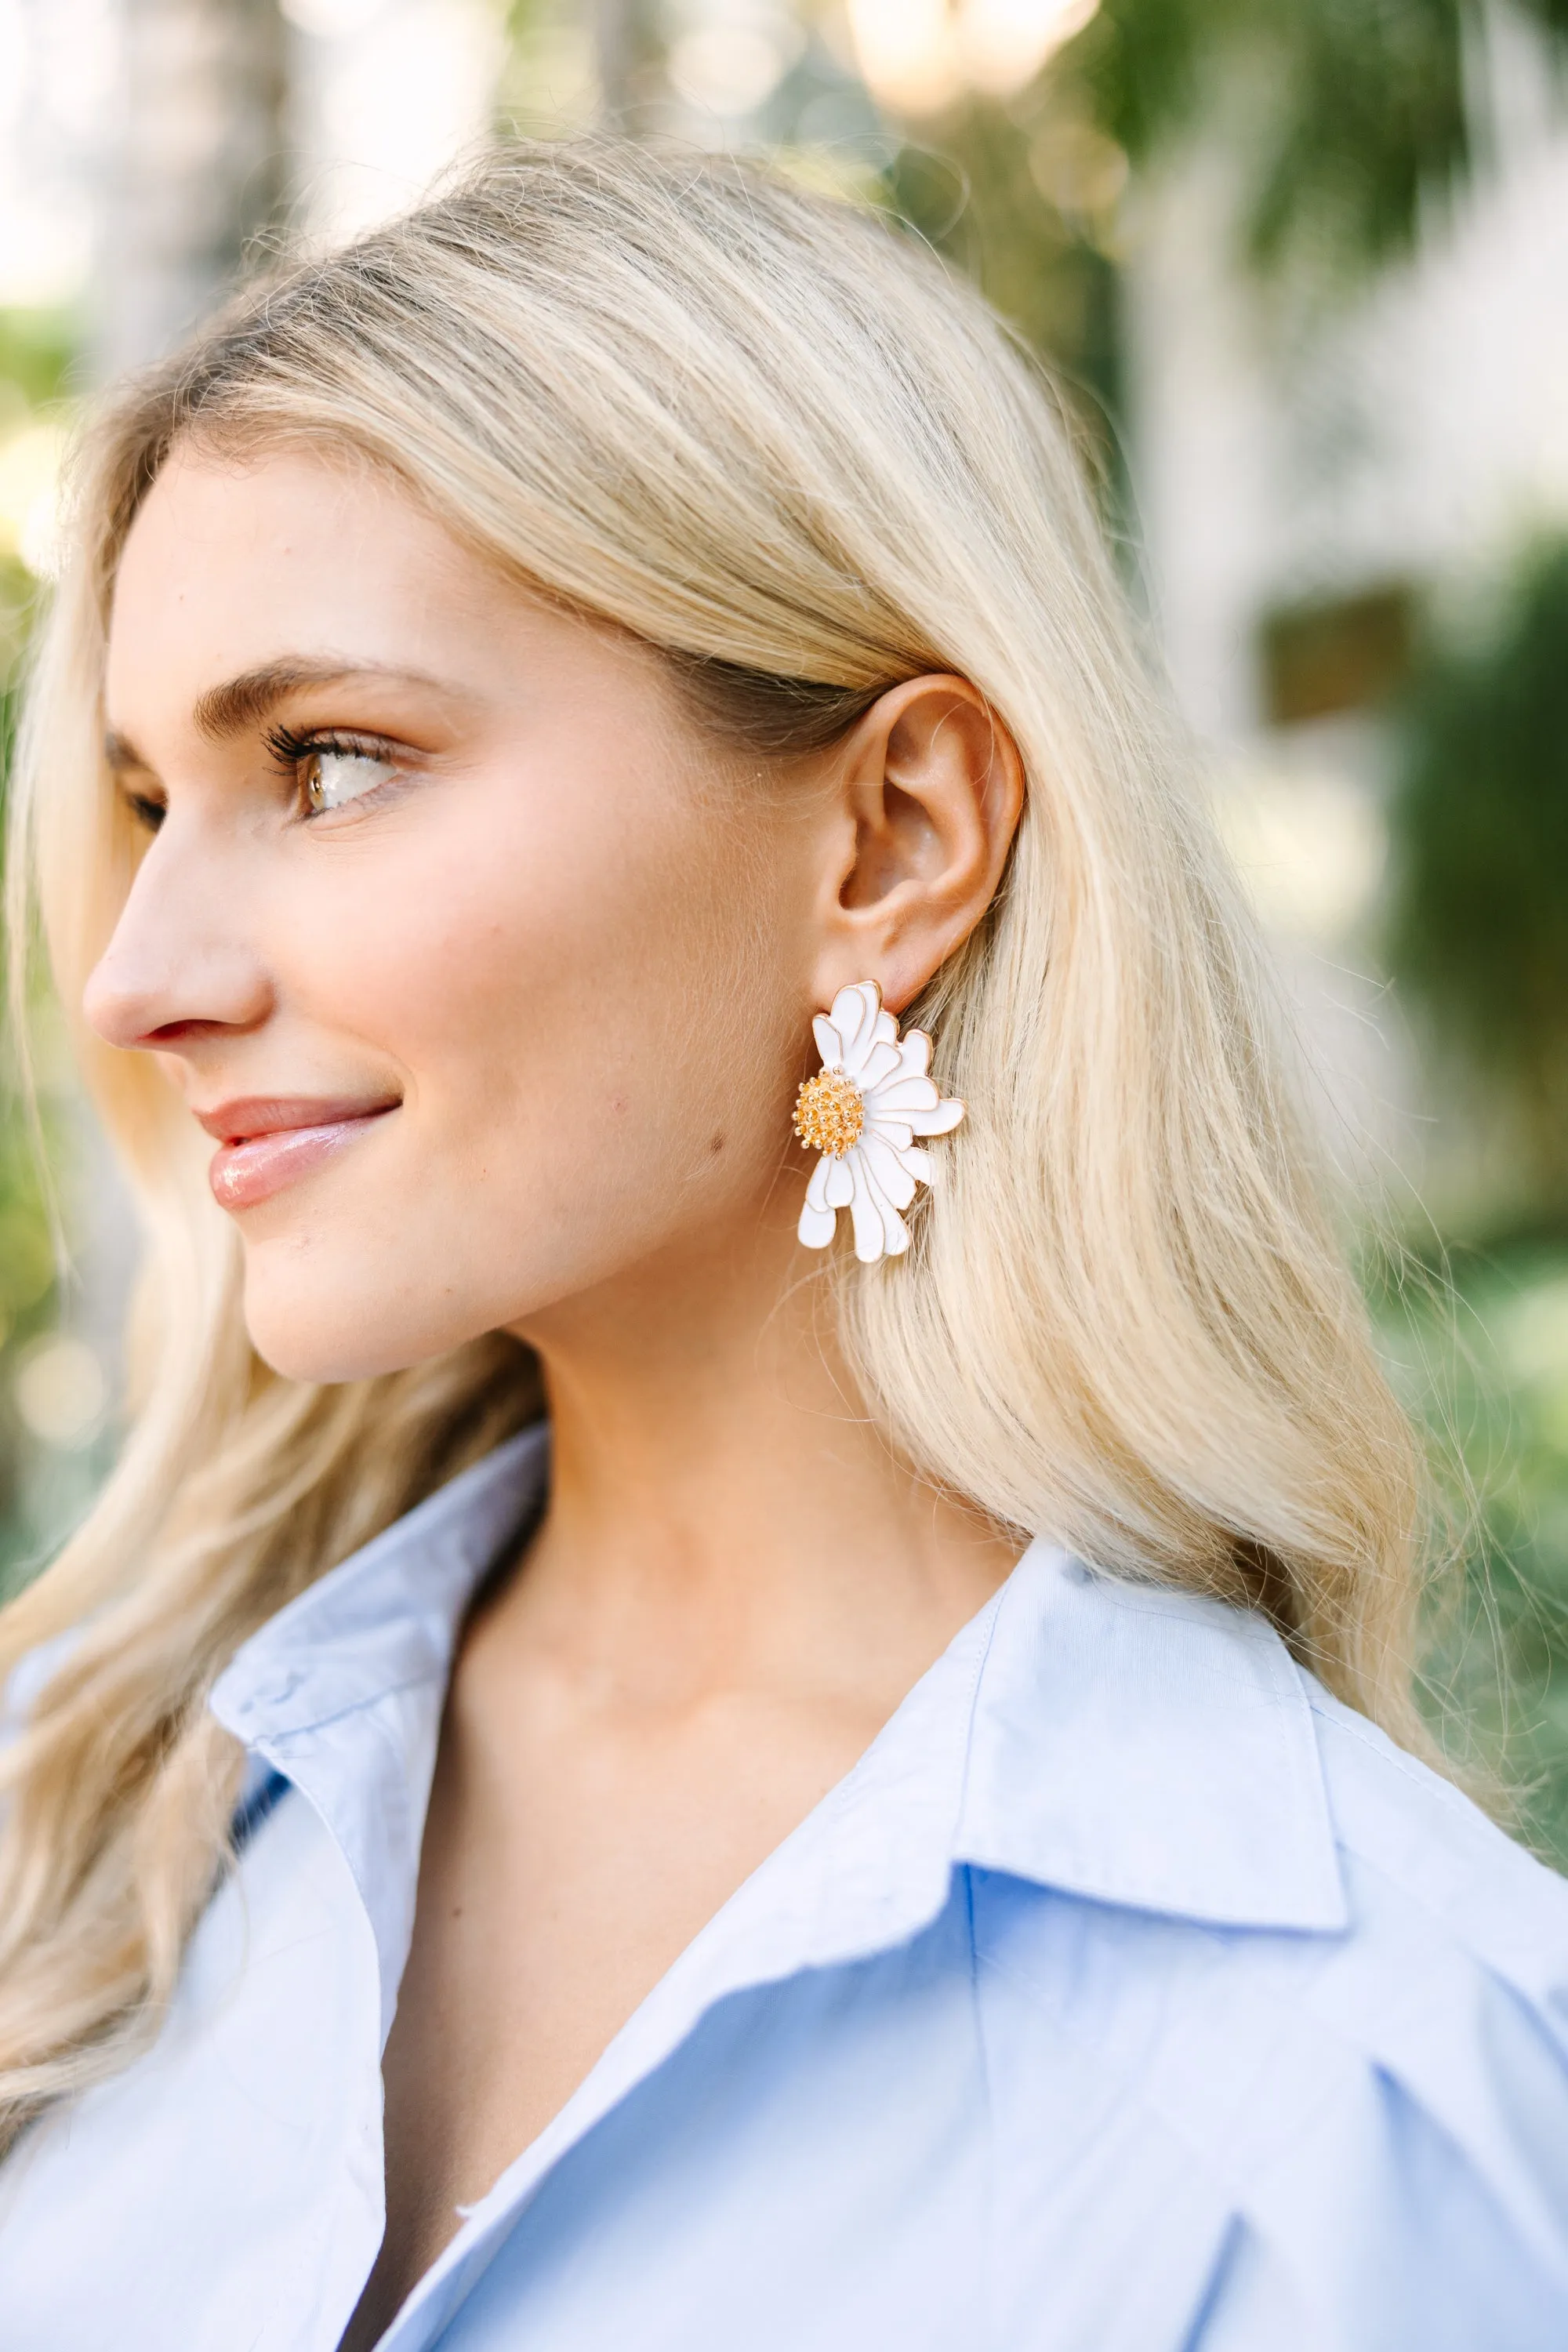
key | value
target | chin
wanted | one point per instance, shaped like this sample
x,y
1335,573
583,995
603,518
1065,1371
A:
x,y
325,1334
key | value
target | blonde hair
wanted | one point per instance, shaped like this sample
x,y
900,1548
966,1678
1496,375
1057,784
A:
x,y
775,439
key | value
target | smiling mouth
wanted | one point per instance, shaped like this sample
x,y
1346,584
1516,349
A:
x,y
265,1145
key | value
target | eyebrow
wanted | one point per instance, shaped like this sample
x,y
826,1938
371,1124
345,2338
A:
x,y
242,702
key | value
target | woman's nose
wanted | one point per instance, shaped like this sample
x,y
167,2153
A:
x,y
177,959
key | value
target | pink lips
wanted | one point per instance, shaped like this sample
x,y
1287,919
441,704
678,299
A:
x,y
267,1142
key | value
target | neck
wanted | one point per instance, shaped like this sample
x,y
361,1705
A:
x,y
723,1508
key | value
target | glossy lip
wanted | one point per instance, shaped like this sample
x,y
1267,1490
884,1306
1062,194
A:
x,y
266,1141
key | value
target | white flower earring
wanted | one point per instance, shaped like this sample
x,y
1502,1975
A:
x,y
862,1111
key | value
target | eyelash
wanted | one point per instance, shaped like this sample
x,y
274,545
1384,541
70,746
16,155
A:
x,y
291,751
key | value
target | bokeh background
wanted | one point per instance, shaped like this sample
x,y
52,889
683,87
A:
x,y
1303,267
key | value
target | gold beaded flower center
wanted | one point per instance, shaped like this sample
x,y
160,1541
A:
x,y
830,1113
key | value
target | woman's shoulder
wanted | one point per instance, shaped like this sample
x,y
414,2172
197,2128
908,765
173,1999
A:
x,y
1414,1847
1450,1987
1360,2070
1419,2068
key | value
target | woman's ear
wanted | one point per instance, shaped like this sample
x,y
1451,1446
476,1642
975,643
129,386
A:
x,y
929,791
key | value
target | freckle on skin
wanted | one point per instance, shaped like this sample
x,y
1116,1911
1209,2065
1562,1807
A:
x,y
716,1145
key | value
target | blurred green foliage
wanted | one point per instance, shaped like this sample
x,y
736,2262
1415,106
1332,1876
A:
x,y
1022,197
1342,121
1481,1355
1340,114
1477,930
27,1310
37,352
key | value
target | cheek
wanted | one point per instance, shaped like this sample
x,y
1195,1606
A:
x,y
595,1035
576,987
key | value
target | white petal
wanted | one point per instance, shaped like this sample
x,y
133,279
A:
x,y
855,1015
817,1190
866,1213
895,1131
905,1094
895,1233
916,1163
816,1226
894,1182
829,1043
915,1053
880,1062
939,1121
849,1014
838,1188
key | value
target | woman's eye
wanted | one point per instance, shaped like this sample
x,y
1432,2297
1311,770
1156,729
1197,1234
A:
x,y
333,777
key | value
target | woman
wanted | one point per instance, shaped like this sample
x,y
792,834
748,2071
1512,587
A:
x,y
550,710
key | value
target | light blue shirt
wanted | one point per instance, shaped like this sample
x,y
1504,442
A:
x,y
1130,1995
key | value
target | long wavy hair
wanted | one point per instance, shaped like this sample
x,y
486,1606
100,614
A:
x,y
773,437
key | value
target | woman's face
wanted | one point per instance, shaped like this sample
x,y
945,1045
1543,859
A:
x,y
489,976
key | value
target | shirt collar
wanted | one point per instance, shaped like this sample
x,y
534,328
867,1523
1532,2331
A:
x,y
388,1616
1137,1745
342,1692
1129,1744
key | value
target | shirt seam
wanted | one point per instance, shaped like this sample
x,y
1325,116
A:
x,y
433,1673
1454,1803
983,2041
1454,1941
1386,1752
981,1662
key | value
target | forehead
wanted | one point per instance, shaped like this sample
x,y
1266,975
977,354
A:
x,y
231,565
